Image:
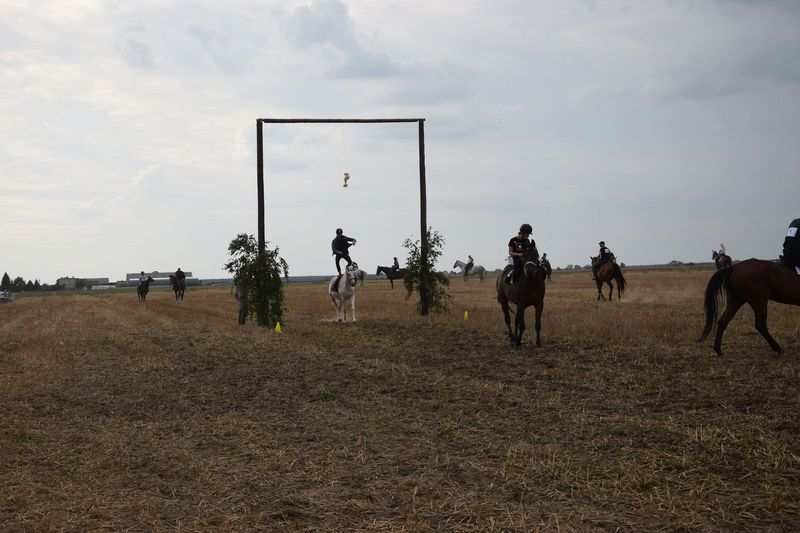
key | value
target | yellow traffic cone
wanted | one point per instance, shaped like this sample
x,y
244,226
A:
x,y
278,327
466,315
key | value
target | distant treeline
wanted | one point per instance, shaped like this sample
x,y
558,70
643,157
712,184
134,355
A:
x,y
19,285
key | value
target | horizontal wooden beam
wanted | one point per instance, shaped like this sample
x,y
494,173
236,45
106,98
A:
x,y
336,120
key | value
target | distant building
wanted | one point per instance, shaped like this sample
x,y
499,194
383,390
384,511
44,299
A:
x,y
71,282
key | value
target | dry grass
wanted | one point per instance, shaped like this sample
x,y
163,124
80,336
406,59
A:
x,y
119,415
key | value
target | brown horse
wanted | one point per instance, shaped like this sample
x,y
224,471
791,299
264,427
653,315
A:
x,y
526,291
548,270
722,261
752,282
606,273
391,273
178,285
143,288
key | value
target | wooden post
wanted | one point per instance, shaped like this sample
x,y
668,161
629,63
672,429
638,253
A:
x,y
424,295
260,174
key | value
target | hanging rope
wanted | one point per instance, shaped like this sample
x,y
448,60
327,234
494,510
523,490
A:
x,y
344,156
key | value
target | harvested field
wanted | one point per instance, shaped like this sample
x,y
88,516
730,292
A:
x,y
151,416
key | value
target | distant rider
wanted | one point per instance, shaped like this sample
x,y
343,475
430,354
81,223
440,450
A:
x,y
603,257
516,246
339,247
395,265
469,265
179,275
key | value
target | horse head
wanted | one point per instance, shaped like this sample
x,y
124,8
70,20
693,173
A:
x,y
530,263
455,265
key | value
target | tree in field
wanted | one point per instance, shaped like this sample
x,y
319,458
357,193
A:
x,y
422,277
29,286
19,284
6,283
261,275
37,286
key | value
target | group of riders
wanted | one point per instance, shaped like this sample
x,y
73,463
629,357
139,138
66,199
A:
x,y
522,244
179,276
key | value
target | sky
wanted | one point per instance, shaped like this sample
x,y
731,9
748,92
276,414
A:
x,y
128,130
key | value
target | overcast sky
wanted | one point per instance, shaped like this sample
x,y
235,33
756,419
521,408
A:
x,y
127,129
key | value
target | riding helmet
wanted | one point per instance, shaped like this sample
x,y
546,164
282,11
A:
x,y
602,243
526,229
339,231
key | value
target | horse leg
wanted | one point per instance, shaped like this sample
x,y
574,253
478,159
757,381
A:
x,y
611,291
353,306
507,317
731,309
335,307
600,290
520,326
760,310
391,283
538,325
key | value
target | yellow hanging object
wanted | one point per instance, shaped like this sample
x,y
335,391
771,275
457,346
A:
x,y
346,178
466,315
278,327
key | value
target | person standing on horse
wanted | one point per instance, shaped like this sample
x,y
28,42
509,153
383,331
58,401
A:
x,y
791,244
469,265
339,247
516,246
603,257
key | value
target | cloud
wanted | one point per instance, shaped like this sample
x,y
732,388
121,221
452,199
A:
x,y
326,25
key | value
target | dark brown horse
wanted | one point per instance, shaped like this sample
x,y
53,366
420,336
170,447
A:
x,y
722,261
606,273
548,270
752,282
527,290
391,273
143,288
178,285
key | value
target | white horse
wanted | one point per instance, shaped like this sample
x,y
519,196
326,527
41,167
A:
x,y
346,290
477,269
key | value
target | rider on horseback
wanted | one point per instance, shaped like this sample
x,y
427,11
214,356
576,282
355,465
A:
x,y
791,244
395,265
516,246
339,246
603,257
469,265
179,274
142,277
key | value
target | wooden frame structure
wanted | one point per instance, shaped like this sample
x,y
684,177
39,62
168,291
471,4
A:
x,y
423,216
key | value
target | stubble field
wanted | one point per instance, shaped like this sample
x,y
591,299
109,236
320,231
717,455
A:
x,y
120,415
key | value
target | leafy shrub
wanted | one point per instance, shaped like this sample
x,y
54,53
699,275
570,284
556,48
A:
x,y
261,275
422,277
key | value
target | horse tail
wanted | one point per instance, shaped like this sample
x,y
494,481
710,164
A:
x,y
715,285
620,279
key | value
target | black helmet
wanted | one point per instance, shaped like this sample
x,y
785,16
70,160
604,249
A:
x,y
526,229
339,231
602,243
